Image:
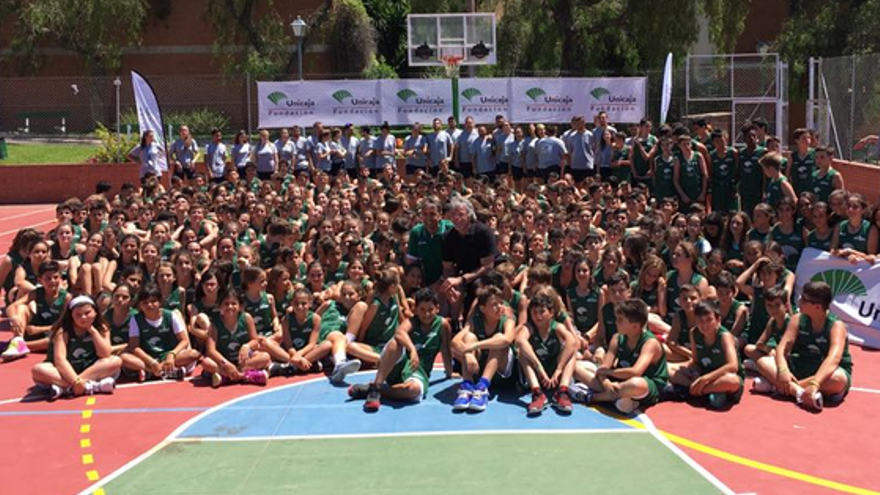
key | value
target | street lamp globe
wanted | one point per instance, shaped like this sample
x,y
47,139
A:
x,y
299,27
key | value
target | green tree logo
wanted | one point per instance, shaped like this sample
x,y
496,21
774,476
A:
x,y
276,97
406,94
599,92
341,95
842,282
470,93
535,93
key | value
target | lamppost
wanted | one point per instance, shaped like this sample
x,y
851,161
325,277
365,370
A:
x,y
118,84
299,28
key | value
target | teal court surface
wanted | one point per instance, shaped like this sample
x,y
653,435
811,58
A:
x,y
307,437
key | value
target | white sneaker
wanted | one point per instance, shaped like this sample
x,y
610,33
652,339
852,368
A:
x,y
763,385
56,392
91,388
106,385
580,392
750,365
16,349
343,369
626,405
818,400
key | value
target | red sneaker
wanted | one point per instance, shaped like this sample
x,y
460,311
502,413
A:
x,y
561,402
538,404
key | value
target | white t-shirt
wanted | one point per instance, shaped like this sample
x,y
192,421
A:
x,y
177,325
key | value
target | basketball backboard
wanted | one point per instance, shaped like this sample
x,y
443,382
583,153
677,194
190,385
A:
x,y
431,37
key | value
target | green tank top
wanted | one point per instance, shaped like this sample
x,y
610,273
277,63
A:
x,y
777,331
261,311
639,163
751,177
673,289
756,235
729,320
663,176
546,349
173,301
268,254
823,185
210,312
585,308
773,191
159,340
334,318
118,333
684,337
628,356
478,325
691,177
300,332
47,312
427,341
792,244
711,356
384,323
16,261
811,348
229,341
81,352
759,316
724,181
813,241
609,320
282,304
857,240
802,171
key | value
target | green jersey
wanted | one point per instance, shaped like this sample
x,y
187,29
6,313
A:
x,y
751,177
823,184
427,341
857,240
621,172
729,320
118,332
334,319
792,244
47,311
16,260
548,348
639,162
157,340
427,248
802,171
711,356
230,340
628,354
300,332
261,311
173,301
481,329
811,348
585,308
724,186
777,331
673,289
663,177
690,177
384,323
81,352
609,320
773,191
815,242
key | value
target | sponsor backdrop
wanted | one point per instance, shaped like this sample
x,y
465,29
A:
x,y
856,290
405,101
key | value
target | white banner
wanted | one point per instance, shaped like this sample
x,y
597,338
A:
x,y
558,99
407,101
856,290
483,99
149,115
283,104
666,92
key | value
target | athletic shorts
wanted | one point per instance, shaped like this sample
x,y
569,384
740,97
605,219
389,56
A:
x,y
502,168
504,377
544,173
517,173
581,175
264,175
335,168
606,172
184,172
403,372
801,372
490,176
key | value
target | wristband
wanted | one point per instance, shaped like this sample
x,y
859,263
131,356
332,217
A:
x,y
782,370
813,383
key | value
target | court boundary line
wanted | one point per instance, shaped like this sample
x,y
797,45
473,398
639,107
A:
x,y
696,466
15,231
21,215
397,434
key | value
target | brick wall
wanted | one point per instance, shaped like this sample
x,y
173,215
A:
x,y
861,178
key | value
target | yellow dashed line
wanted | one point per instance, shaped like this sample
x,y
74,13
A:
x,y
85,428
93,475
99,491
88,459
87,414
85,443
91,401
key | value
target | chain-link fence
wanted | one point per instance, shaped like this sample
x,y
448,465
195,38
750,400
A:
x,y
74,106
844,103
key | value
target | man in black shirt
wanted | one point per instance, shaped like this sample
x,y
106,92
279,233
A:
x,y
468,252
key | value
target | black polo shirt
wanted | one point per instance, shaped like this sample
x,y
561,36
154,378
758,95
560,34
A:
x,y
466,251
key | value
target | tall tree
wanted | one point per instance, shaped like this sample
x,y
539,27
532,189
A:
x,y
97,30
344,27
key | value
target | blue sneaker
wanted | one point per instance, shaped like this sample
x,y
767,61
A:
x,y
463,401
717,400
480,397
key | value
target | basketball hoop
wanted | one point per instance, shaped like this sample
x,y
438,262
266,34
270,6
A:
x,y
452,63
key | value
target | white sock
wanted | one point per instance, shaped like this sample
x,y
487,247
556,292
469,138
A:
x,y
339,357
350,337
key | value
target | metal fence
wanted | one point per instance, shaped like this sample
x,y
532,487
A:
x,y
844,103
75,105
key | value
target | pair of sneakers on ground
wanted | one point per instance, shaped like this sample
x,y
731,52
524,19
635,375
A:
x,y
104,386
475,397
16,349
762,385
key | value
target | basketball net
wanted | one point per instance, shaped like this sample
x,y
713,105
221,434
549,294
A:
x,y
452,64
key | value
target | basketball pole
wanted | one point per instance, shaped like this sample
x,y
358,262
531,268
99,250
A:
x,y
455,106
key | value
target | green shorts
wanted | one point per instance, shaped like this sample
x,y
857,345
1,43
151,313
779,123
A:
x,y
403,372
653,396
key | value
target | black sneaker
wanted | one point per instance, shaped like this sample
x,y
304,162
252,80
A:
x,y
278,369
358,391
373,400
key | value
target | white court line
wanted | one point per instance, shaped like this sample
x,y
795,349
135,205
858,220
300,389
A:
x,y
868,390
335,436
13,217
13,231
684,457
124,385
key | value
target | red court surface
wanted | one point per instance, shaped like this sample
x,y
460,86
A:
x,y
763,445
